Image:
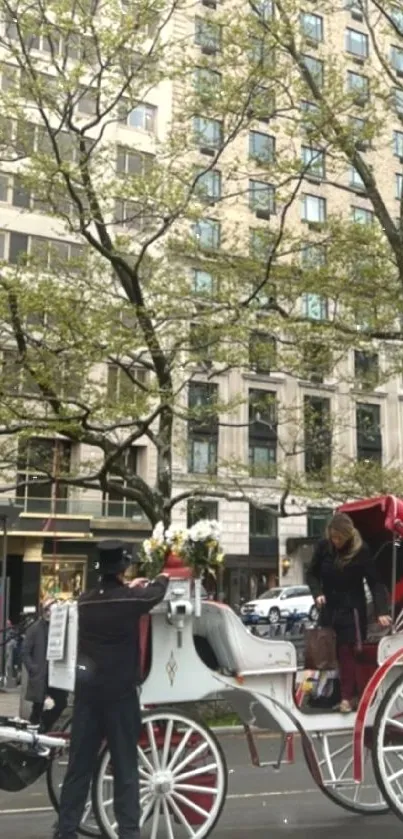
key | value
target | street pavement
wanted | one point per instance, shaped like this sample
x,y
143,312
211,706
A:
x,y
272,804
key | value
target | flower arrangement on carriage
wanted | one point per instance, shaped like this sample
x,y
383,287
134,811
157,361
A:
x,y
197,547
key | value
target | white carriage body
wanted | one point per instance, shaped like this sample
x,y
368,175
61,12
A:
x,y
258,673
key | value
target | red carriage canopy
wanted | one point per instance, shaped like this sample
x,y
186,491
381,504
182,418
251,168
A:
x,y
379,520
379,517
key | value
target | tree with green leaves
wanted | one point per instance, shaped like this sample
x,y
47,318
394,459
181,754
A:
x,y
152,250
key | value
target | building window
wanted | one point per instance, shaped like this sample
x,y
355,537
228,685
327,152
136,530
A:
x,y
313,209
314,306
202,282
366,369
355,180
115,504
260,244
262,434
264,9
21,194
55,255
312,26
398,184
398,100
207,233
315,68
207,35
356,7
310,116
313,161
262,197
369,436
40,463
359,132
130,215
317,434
17,247
208,132
361,215
202,428
144,117
130,162
398,143
261,147
317,521
262,353
207,82
122,383
208,185
397,59
199,509
396,13
357,43
262,523
358,86
88,103
202,459
317,361
313,256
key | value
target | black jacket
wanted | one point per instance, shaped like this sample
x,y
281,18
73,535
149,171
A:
x,y
108,637
343,588
34,651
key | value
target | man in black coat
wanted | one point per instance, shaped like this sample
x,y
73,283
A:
x,y
106,700
34,651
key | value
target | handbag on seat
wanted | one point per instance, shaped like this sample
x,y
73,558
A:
x,y
320,648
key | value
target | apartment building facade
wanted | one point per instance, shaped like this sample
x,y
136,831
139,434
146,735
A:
x,y
51,548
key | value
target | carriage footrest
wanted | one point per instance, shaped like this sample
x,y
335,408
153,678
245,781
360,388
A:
x,y
285,756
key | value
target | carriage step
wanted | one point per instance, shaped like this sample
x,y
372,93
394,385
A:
x,y
286,752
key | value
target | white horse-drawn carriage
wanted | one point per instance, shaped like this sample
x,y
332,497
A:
x,y
192,651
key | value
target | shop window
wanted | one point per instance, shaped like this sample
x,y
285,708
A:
x,y
62,578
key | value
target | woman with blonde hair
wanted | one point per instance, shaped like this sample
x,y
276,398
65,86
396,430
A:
x,y
336,575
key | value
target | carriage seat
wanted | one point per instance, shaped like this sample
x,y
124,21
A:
x,y
237,651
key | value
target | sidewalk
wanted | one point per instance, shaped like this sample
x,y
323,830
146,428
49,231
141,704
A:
x,y
10,703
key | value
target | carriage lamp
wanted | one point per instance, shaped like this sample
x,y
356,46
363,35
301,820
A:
x,y
177,612
285,565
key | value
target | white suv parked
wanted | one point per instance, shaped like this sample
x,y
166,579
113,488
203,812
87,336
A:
x,y
278,603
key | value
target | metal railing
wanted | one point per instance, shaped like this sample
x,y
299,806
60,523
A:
x,y
88,507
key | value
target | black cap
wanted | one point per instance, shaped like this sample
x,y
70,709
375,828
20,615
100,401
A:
x,y
114,556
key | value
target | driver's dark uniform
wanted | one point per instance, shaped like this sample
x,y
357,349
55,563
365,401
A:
x,y
106,703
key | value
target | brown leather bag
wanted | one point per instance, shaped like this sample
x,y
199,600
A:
x,y
320,649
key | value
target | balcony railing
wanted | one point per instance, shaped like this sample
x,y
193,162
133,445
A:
x,y
94,508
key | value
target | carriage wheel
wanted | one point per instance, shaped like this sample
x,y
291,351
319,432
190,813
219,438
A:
x,y
335,755
387,751
54,779
183,779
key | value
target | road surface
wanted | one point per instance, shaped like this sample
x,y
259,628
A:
x,y
271,804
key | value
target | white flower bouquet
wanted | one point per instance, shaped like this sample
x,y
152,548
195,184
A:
x,y
201,548
197,547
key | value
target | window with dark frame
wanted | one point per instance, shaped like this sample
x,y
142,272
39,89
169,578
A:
x,y
115,502
262,523
40,461
202,428
262,433
369,433
317,435
201,508
366,369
